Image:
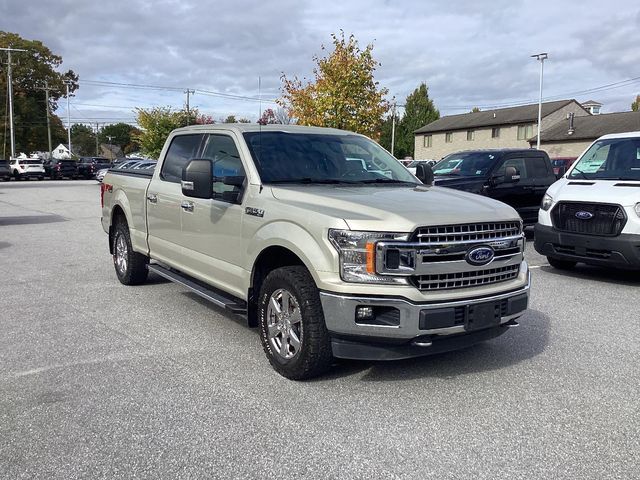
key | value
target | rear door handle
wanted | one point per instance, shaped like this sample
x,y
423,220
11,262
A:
x,y
187,206
152,198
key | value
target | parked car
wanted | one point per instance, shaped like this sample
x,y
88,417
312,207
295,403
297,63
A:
x,y
325,256
5,170
60,168
517,177
561,165
592,214
26,168
89,166
414,164
131,164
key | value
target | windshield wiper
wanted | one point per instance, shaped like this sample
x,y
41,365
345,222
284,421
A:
x,y
384,180
575,169
309,180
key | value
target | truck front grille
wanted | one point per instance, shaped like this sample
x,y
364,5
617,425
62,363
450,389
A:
x,y
473,232
605,220
445,281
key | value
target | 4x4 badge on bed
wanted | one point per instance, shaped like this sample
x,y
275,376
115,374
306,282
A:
x,y
584,215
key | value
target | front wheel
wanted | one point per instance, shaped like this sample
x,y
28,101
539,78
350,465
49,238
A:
x,y
131,267
561,264
292,327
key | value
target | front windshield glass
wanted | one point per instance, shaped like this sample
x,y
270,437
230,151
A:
x,y
613,159
283,157
465,164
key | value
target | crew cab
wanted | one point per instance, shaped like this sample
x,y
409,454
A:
x,y
25,168
327,256
517,177
592,214
59,168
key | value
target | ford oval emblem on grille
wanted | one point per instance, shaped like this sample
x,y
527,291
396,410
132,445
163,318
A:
x,y
584,215
480,255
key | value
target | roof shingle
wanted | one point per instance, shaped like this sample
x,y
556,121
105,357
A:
x,y
591,127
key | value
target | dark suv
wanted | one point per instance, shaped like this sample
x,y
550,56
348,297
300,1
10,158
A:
x,y
59,168
5,171
89,166
517,177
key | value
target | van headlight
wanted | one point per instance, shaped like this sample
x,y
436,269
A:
x,y
357,251
637,209
547,201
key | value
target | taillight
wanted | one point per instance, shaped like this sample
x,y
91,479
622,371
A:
x,y
104,187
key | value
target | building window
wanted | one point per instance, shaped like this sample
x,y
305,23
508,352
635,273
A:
x,y
470,135
525,132
427,141
448,137
495,132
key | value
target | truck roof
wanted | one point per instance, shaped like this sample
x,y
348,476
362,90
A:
x,y
254,127
620,135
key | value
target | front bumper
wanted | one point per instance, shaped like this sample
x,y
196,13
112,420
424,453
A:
x,y
622,251
409,329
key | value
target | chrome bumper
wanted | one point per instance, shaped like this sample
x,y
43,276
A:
x,y
340,315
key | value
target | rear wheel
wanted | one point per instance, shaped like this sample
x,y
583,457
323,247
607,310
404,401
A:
x,y
131,267
561,264
292,327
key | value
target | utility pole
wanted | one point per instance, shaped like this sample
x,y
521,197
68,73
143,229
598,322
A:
x,y
68,83
97,146
393,127
541,57
46,96
10,95
189,92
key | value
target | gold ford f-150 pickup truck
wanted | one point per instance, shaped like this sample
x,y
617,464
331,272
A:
x,y
323,240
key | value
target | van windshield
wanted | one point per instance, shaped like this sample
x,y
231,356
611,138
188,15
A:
x,y
611,159
466,164
283,157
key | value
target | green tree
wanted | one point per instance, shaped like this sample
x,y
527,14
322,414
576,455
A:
x,y
83,140
32,71
635,106
122,135
475,110
344,93
156,124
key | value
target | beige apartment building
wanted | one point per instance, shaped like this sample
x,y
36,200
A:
x,y
511,127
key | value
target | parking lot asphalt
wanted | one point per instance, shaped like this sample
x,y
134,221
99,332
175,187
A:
x,y
99,380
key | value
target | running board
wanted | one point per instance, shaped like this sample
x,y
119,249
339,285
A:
x,y
208,293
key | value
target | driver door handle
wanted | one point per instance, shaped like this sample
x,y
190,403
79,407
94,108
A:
x,y
152,198
187,206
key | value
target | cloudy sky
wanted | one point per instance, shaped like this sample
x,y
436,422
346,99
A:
x,y
470,53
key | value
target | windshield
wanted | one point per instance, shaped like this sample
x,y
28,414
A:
x,y
465,164
612,159
283,157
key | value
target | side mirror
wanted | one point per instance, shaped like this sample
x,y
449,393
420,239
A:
x,y
197,179
424,172
511,175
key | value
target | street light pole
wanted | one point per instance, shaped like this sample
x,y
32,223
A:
x,y
67,83
10,95
541,57
393,127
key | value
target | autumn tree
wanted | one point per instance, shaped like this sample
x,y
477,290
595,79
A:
x,y
268,117
32,71
635,106
343,94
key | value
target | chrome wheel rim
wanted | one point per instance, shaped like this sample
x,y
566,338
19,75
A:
x,y
284,324
121,255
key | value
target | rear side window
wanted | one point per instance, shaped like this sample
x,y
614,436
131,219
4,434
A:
x,y
182,149
538,167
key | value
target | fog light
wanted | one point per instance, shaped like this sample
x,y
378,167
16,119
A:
x,y
364,313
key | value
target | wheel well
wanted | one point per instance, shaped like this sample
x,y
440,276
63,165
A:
x,y
117,216
269,259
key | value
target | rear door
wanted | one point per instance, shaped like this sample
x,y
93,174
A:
x,y
164,198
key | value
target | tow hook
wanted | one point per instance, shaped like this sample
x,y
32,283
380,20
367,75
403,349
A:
x,y
423,342
511,324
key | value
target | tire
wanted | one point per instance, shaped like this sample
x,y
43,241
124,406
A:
x,y
296,343
561,264
131,267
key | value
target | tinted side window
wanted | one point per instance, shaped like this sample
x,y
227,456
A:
x,y
518,163
226,161
182,149
538,167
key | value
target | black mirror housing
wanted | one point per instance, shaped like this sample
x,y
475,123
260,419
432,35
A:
x,y
424,172
197,178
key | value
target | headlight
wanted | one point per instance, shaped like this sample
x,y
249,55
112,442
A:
x,y
357,252
547,201
637,209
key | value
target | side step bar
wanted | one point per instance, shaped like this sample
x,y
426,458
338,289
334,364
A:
x,y
216,297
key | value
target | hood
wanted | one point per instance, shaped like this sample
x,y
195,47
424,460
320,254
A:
x,y
622,192
468,184
394,209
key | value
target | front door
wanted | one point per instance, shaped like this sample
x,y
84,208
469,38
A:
x,y
211,228
519,193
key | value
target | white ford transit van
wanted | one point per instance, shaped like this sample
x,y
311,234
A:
x,y
592,214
